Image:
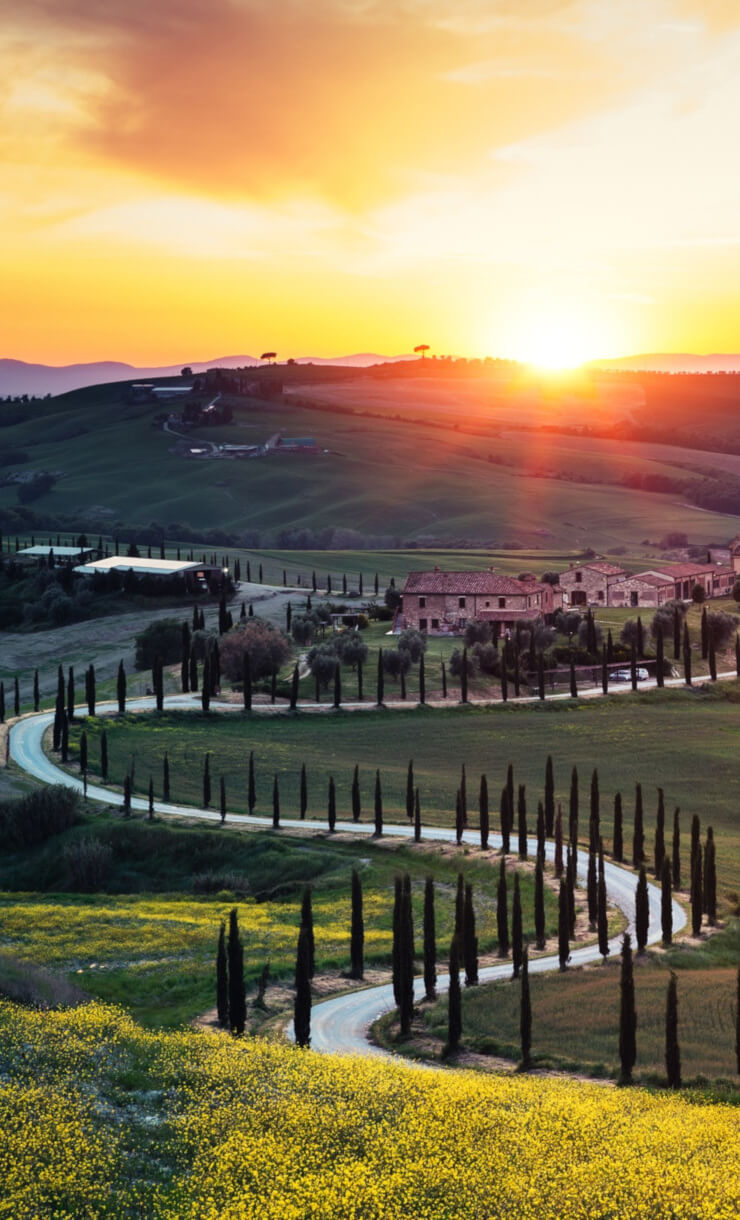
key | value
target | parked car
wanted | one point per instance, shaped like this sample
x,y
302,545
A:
x,y
624,675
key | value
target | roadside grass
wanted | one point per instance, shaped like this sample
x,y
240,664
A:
x,y
575,1015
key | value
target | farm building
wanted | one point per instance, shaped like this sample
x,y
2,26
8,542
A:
x,y
192,575
715,579
588,584
445,602
61,554
642,589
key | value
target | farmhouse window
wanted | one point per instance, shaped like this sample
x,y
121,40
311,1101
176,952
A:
x,y
461,602
422,624
422,602
601,595
502,603
579,577
435,624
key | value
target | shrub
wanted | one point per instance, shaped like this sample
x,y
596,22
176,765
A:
x,y
212,881
351,648
664,617
413,642
396,661
736,590
162,639
322,660
477,633
267,647
456,664
698,594
721,627
487,658
38,816
303,628
88,861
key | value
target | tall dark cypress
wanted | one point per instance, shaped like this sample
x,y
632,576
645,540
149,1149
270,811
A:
x,y
710,879
704,634
539,905
302,1003
275,803
356,798
659,657
378,806
633,664
712,659
104,756
592,894
193,673
83,752
70,695
573,682
676,633
307,927
502,913
396,943
357,932
65,737
627,1013
207,781
417,817
666,902
604,672
504,677
517,930
573,810
686,655
206,685
246,682
737,1022
594,821
410,791
422,681
676,850
697,896
470,940
294,689
331,812
165,778
549,798
337,685
525,1013
570,877
563,926
618,840
505,822
127,795
659,852
2,703
642,912
522,821
483,811
459,827
406,962
695,841
672,1051
638,831
603,914
540,675
251,785
430,941
454,1000
37,695
380,680
463,796
540,832
303,792
464,677
121,689
559,842
273,686
237,1001
360,693
222,980
444,681
460,907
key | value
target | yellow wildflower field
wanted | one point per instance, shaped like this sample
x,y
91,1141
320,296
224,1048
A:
x,y
102,1118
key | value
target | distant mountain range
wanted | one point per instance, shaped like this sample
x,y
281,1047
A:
x,y
672,362
17,377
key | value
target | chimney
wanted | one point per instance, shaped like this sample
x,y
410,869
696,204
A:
x,y
436,567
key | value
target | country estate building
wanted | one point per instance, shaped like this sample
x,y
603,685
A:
x,y
588,584
642,589
445,602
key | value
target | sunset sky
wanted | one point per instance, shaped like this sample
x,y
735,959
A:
x,y
183,179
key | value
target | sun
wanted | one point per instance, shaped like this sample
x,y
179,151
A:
x,y
557,340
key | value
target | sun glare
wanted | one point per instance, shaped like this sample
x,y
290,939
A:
x,y
557,341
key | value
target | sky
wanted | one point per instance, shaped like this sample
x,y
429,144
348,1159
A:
x,y
531,179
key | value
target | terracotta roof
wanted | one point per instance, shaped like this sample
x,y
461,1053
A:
x,y
461,583
677,571
606,569
648,578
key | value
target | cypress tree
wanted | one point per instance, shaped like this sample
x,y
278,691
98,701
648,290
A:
x,y
609,647
2,703
604,672
246,682
573,682
737,653
207,781
417,817
502,914
273,686
222,980
37,696
592,890
70,695
549,798
710,879
463,795
83,751
378,806
65,737
594,821
517,931
185,672
522,822
642,912
357,933
380,681
59,716
659,657
470,940
251,786
464,677
540,832
307,927
288,617
193,673
127,795
539,904
712,660
166,778
410,791
618,841
563,926
396,944
672,1051
676,851
337,685
303,792
666,903
454,1000
406,957
573,812
517,672
627,1013
525,1013
206,685
640,639
294,689
302,1003
676,633
686,655
704,634
260,575
460,907
505,821
356,801
737,1022
504,677
540,675
559,843
376,584
360,695
570,877
430,942
151,799
695,841
275,803
159,683
633,664
484,816
331,812
121,689
422,681
317,689
458,819
104,756
603,915
638,832
659,834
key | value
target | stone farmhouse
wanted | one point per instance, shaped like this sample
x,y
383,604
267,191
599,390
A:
x,y
588,584
445,602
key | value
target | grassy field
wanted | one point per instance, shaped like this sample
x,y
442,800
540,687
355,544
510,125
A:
x,y
575,1015
104,1119
686,741
381,476
147,938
